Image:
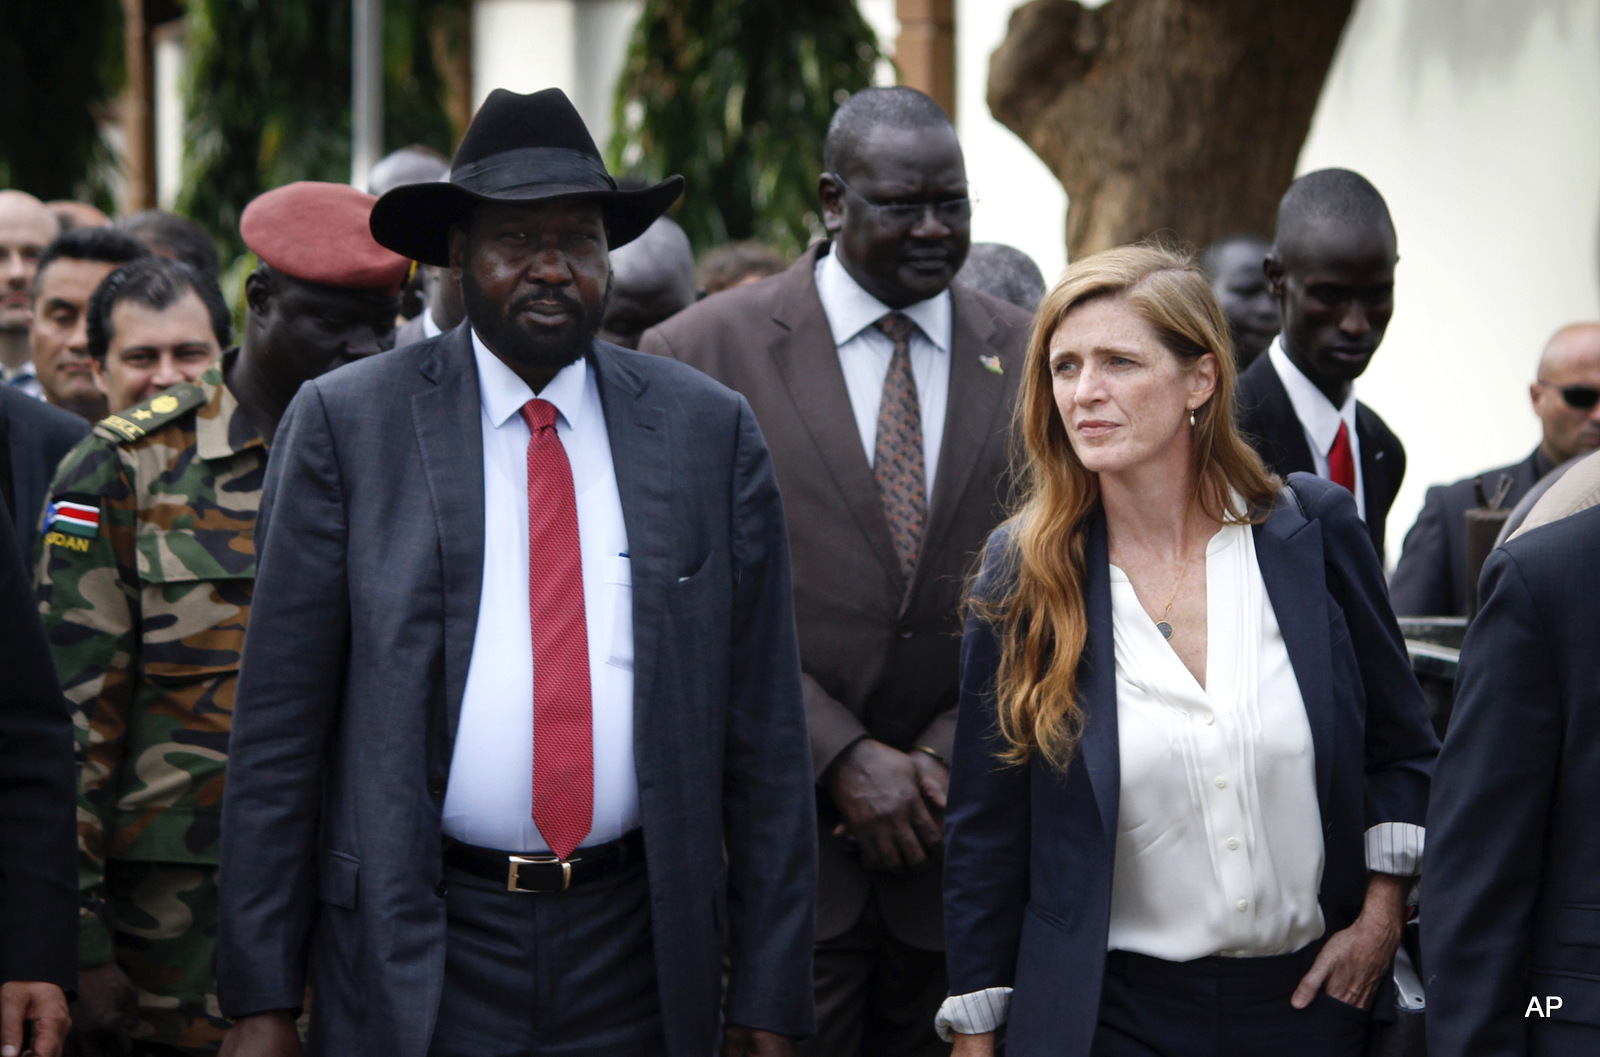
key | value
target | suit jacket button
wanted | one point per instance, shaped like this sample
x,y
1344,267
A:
x,y
435,788
905,631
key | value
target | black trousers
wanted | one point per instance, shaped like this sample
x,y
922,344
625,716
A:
x,y
876,996
1220,1007
549,974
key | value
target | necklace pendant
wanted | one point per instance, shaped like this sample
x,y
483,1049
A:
x,y
1165,629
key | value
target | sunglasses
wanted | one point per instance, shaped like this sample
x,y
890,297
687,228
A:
x,y
1578,397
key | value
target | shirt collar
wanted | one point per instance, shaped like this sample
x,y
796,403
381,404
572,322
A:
x,y
1314,410
221,428
502,393
850,309
430,329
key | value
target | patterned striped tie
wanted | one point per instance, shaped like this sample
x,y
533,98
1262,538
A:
x,y
897,457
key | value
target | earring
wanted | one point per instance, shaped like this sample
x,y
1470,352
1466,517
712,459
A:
x,y
1191,416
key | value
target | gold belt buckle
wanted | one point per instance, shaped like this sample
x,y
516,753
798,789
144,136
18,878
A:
x,y
517,862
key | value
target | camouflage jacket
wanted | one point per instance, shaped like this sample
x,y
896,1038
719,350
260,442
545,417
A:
x,y
144,576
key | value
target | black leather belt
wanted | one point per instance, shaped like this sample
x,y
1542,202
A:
x,y
544,872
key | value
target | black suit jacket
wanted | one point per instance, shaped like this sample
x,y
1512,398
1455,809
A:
x,y
880,658
1511,893
1269,423
1430,578
370,539
38,792
40,435
1030,850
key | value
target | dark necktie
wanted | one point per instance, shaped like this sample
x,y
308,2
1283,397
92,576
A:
x,y
897,457
1341,461
563,723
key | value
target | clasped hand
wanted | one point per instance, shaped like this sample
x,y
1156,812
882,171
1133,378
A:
x,y
892,803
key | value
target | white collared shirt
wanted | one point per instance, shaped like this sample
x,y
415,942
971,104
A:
x,y
430,329
1319,419
24,379
489,801
865,351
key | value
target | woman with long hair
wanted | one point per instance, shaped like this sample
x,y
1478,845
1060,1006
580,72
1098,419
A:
x,y
1192,763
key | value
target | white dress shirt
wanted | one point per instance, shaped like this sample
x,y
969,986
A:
x,y
1319,419
489,801
1219,828
430,329
865,351
24,379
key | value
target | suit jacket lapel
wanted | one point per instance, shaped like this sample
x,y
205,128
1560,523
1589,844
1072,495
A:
x,y
447,421
1289,551
1097,682
1293,450
641,451
808,361
974,416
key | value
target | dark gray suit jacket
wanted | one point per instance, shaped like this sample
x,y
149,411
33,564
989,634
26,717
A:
x,y
40,435
371,554
880,660
1430,578
1511,893
1268,421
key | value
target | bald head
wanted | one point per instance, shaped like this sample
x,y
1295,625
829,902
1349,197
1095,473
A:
x,y
1566,395
652,279
26,227
851,129
1003,271
408,165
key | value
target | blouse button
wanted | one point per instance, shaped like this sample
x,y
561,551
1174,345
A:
x,y
1233,843
1220,782
1211,718
1243,905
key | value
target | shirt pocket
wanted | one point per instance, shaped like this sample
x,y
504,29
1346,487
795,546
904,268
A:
x,y
618,579
195,591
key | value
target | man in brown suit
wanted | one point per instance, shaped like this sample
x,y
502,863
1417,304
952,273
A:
x,y
885,395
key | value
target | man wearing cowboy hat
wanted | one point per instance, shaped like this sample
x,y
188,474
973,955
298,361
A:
x,y
519,750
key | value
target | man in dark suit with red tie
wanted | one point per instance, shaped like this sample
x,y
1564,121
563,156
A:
x,y
885,393
518,762
1331,270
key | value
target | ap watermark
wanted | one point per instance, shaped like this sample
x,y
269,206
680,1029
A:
x,y
1551,1004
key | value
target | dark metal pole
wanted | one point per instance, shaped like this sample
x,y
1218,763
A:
x,y
366,89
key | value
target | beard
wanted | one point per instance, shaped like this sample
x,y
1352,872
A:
x,y
529,345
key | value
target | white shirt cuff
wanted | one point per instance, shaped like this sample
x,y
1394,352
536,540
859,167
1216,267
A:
x,y
1395,848
975,1013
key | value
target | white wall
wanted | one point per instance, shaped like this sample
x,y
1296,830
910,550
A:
x,y
1479,120
575,45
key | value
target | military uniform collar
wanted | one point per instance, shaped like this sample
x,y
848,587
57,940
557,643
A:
x,y
221,427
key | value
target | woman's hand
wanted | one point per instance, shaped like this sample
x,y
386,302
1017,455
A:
x,y
974,1045
1353,961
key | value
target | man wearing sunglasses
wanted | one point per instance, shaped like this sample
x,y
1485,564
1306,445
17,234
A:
x,y
884,391
1430,579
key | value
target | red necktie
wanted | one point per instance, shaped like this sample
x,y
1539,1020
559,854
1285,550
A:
x,y
563,724
1341,461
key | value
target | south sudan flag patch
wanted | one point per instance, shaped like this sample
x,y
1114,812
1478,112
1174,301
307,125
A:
x,y
74,516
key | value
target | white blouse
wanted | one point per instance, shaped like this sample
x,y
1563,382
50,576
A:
x,y
1219,833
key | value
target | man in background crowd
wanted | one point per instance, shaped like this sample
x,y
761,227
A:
x,y
26,227
652,279
431,301
885,393
738,263
1005,272
169,235
69,270
145,584
73,214
1234,266
152,324
1430,579
1331,271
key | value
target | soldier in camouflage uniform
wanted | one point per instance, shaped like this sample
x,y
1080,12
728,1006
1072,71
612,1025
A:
x,y
144,579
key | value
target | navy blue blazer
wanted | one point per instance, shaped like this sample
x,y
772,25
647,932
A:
x,y
1029,850
370,568
1512,892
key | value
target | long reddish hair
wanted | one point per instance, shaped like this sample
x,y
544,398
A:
x,y
1040,617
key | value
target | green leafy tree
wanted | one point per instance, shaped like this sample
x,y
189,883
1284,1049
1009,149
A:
x,y
736,96
267,96
60,65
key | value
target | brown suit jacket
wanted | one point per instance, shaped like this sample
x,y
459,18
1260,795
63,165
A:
x,y
879,660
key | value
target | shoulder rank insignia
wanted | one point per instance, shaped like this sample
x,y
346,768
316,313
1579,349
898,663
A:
x,y
152,414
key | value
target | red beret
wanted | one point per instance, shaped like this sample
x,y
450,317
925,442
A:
x,y
321,233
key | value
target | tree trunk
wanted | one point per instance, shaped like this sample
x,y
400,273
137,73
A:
x,y
1177,117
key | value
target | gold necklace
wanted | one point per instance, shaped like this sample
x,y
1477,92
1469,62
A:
x,y
1162,625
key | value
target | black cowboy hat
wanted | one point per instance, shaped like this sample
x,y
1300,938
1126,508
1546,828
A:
x,y
519,148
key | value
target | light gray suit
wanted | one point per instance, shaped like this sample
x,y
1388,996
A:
x,y
370,541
